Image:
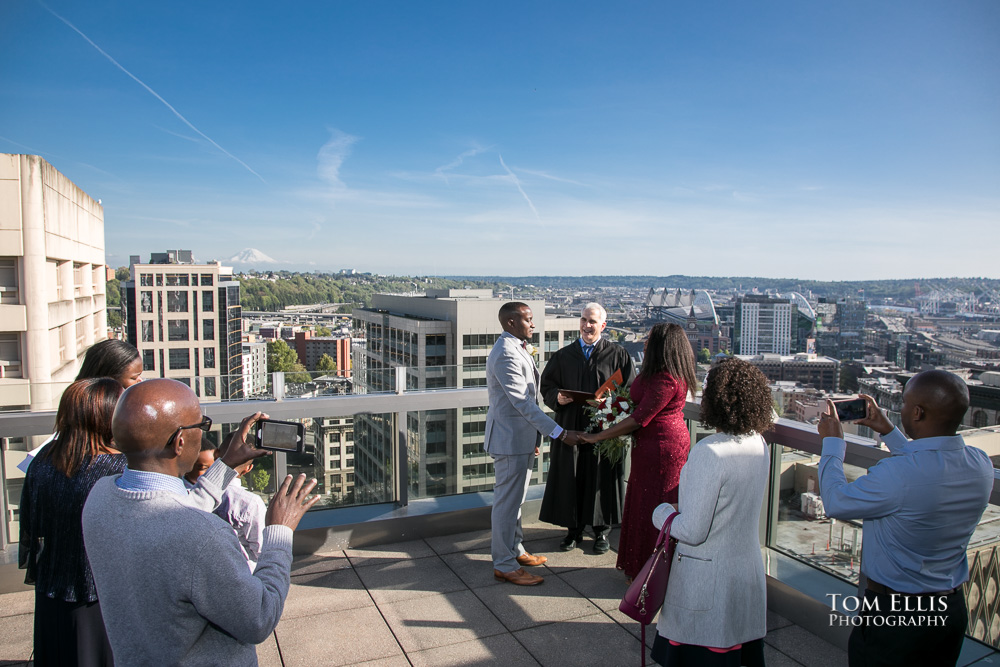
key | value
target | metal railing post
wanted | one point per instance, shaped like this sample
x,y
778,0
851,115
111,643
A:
x,y
3,496
278,385
401,462
400,456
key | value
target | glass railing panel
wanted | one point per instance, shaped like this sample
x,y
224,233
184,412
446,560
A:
x,y
351,457
346,474
309,384
982,591
445,456
801,529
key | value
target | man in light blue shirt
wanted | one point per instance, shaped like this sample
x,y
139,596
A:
x,y
920,507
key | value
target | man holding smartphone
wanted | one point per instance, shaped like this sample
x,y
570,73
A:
x,y
920,507
174,585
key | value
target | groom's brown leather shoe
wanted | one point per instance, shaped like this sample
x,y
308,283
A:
x,y
527,560
519,577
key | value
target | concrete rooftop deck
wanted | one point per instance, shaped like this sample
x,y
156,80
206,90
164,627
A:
x,y
434,602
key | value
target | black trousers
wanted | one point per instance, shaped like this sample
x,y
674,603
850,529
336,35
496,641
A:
x,y
907,637
70,634
599,531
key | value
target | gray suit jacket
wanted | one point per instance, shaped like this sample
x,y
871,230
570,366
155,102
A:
x,y
717,594
514,422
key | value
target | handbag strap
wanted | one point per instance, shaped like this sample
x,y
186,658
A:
x,y
661,541
665,530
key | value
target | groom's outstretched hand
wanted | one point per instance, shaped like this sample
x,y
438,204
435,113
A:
x,y
571,438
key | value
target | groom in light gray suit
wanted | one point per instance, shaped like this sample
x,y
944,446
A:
x,y
514,428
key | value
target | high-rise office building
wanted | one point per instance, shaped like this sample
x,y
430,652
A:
x,y
186,321
763,325
850,319
254,366
442,339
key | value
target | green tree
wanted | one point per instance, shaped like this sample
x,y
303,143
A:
x,y
323,331
704,355
280,357
259,479
297,374
326,363
122,273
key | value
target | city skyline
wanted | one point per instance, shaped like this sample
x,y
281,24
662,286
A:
x,y
813,142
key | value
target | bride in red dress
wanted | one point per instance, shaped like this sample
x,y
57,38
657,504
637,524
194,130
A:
x,y
661,439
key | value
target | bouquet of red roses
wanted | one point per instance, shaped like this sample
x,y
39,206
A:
x,y
615,406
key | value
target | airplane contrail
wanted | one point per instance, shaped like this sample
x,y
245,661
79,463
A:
x,y
517,184
150,90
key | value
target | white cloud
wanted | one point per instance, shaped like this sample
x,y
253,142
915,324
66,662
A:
x,y
331,157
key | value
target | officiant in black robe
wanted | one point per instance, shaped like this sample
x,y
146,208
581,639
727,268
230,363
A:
x,y
579,490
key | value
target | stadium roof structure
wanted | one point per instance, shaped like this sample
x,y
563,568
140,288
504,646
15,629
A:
x,y
676,305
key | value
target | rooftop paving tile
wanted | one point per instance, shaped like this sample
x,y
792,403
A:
x,y
520,607
563,561
16,604
805,647
486,652
448,544
336,638
325,592
591,640
17,635
320,562
395,661
474,568
400,580
379,555
440,620
775,658
776,621
603,586
633,627
268,654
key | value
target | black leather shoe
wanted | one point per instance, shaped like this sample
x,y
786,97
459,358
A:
x,y
601,545
568,543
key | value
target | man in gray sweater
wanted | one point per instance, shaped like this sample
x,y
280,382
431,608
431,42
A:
x,y
174,586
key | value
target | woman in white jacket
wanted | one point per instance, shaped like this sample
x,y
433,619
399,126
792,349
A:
x,y
714,613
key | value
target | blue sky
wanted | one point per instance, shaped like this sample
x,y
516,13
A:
x,y
816,140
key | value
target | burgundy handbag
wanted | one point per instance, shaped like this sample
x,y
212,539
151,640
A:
x,y
644,596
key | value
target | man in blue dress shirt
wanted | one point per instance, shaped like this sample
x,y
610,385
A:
x,y
920,507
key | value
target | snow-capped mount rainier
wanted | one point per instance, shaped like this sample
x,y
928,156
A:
x,y
251,256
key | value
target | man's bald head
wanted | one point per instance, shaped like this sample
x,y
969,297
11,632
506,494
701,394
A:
x,y
934,403
149,412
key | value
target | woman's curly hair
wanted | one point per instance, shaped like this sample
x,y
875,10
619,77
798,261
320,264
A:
x,y
736,398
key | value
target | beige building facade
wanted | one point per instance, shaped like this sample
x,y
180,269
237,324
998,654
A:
x,y
186,321
52,297
52,281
